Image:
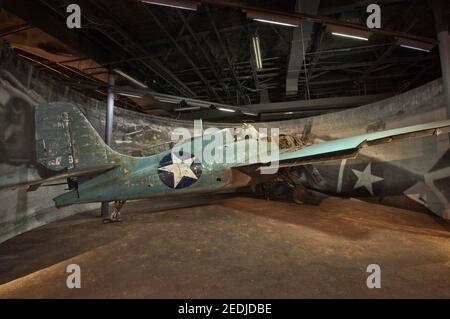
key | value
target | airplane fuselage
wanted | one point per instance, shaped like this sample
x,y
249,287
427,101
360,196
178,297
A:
x,y
158,175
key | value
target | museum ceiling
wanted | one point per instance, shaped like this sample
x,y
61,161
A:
x,y
208,54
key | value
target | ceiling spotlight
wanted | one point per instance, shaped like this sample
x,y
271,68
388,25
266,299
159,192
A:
x,y
348,32
257,52
178,4
273,18
130,78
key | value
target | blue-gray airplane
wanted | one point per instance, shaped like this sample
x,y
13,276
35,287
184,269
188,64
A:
x,y
68,148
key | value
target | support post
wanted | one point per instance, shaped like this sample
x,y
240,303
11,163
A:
x,y
440,7
444,52
110,109
108,127
440,144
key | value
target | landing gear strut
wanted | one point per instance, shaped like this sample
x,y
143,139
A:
x,y
114,215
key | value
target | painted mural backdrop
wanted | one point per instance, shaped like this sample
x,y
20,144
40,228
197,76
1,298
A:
x,y
22,87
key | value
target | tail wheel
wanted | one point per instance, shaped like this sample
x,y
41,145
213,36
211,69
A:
x,y
299,195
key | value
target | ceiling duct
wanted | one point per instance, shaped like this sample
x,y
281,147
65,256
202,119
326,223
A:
x,y
301,39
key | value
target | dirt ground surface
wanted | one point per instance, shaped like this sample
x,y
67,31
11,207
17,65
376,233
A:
x,y
233,248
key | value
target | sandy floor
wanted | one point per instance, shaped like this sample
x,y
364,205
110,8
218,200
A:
x,y
233,248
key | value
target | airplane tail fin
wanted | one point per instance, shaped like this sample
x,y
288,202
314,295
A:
x,y
66,141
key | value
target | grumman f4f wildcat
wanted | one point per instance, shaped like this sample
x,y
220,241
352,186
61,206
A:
x,y
69,148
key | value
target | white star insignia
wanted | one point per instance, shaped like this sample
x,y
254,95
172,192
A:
x,y
366,179
180,168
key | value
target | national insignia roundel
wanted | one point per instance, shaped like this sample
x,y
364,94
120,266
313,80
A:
x,y
179,170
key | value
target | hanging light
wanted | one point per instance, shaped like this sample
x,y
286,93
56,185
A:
x,y
415,45
271,18
348,32
257,52
223,109
178,4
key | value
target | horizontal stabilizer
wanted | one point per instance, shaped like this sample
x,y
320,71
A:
x,y
91,171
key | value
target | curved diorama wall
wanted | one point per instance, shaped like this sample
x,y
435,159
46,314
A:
x,y
22,87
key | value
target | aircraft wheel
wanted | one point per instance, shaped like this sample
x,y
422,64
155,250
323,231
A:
x,y
299,195
115,215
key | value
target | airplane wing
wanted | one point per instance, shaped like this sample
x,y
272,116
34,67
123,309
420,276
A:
x,y
349,147
92,171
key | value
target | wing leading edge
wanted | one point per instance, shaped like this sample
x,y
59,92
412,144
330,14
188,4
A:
x,y
349,147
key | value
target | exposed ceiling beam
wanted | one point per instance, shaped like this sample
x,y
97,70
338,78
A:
x,y
225,52
410,24
212,66
334,9
315,104
33,12
161,26
97,15
287,110
318,19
